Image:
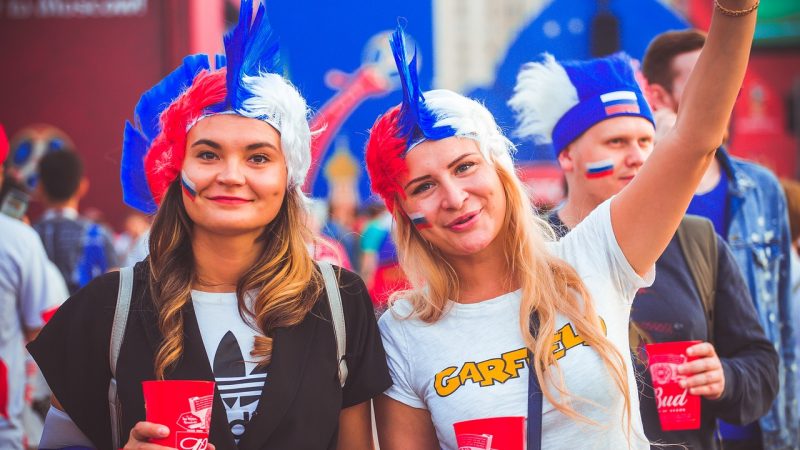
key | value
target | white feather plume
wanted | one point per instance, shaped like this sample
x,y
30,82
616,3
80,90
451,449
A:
x,y
285,109
542,95
472,120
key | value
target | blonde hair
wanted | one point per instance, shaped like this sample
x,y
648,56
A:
x,y
549,286
284,276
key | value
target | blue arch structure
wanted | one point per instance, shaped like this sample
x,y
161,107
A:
x,y
318,36
563,28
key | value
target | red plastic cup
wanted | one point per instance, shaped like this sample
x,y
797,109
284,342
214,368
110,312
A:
x,y
184,406
677,408
493,433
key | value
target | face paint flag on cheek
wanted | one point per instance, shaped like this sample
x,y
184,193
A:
x,y
599,169
188,186
419,220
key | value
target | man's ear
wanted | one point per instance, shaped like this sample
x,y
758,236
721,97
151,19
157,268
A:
x,y
83,187
565,160
660,97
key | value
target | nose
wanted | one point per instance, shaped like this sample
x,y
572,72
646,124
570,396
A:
x,y
232,173
453,195
637,154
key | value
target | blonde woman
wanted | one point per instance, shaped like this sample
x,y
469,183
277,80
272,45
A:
x,y
229,292
485,272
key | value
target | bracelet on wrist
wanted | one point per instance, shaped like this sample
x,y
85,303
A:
x,y
736,13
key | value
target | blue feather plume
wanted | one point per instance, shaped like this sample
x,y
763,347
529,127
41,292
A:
x,y
135,192
157,98
220,61
250,49
409,84
146,127
415,115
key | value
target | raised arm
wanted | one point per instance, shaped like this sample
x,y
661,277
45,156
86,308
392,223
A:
x,y
646,214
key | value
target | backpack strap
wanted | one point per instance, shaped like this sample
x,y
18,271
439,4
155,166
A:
x,y
698,242
337,315
535,397
117,335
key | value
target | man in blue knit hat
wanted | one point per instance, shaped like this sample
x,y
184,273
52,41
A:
x,y
602,130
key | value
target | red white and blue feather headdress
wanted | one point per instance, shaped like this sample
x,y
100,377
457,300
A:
x,y
432,115
246,81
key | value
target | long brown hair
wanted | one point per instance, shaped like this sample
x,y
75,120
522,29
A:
x,y
284,276
549,287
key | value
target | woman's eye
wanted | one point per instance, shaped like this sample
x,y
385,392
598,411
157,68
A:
x,y
259,159
422,188
207,155
463,167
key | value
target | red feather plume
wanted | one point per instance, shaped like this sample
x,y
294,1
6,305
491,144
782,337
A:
x,y
385,157
163,161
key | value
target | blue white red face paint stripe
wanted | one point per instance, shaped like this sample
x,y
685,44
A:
x,y
599,169
188,186
619,102
419,220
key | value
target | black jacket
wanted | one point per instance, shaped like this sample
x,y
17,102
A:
x,y
301,400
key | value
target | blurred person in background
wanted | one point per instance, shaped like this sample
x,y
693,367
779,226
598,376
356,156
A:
x,y
80,248
747,206
791,188
340,225
15,198
136,225
139,250
30,291
380,267
322,247
597,165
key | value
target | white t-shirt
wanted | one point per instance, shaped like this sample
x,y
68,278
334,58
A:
x,y
471,363
29,292
228,341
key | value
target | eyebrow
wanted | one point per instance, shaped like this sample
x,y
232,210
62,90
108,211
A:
x,y
449,166
207,142
258,145
249,147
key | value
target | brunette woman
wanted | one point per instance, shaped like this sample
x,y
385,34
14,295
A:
x,y
229,292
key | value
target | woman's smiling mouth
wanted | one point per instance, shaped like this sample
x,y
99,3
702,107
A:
x,y
229,200
463,222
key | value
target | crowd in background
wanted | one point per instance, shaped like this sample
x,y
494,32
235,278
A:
x,y
757,272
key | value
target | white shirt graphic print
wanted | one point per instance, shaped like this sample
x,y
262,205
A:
x,y
228,341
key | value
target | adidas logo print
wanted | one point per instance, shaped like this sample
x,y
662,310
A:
x,y
240,391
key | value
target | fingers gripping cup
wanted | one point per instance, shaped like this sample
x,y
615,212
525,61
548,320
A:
x,y
493,433
677,408
183,406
